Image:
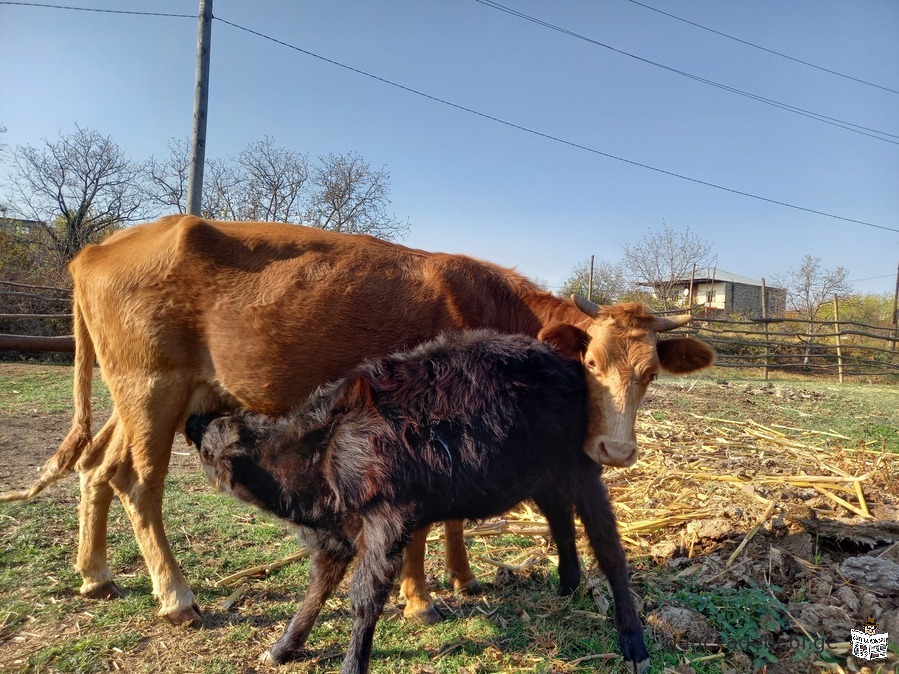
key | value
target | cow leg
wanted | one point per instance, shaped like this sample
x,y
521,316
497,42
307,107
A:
x,y
419,605
457,567
93,512
593,507
325,574
560,516
380,561
149,431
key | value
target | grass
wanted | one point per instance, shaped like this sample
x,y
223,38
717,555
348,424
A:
x,y
517,625
863,412
46,389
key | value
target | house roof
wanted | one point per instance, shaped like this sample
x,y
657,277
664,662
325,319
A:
x,y
706,274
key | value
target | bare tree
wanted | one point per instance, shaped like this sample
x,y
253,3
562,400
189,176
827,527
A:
x,y
167,179
609,281
79,188
222,191
810,289
662,258
348,196
271,182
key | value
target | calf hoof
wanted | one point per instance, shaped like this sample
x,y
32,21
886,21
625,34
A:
x,y
471,586
106,590
427,614
189,615
637,667
633,648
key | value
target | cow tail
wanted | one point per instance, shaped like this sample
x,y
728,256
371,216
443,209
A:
x,y
78,439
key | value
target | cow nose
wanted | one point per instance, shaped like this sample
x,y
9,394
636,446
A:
x,y
196,425
614,452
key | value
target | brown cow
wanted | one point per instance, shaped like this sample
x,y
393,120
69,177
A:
x,y
188,316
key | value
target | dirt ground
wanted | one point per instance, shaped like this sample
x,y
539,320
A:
x,y
831,569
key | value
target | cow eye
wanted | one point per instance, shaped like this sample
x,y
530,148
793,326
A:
x,y
590,363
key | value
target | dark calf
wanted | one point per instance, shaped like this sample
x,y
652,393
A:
x,y
465,426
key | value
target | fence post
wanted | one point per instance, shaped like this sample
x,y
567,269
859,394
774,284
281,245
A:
x,y
765,323
836,324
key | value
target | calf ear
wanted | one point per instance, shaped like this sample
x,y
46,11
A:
x,y
358,394
680,355
224,473
568,340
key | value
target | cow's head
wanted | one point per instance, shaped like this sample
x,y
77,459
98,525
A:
x,y
622,354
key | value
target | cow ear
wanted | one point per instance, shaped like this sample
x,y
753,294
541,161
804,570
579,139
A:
x,y
681,355
568,340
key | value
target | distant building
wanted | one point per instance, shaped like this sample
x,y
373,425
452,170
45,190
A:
x,y
18,225
719,291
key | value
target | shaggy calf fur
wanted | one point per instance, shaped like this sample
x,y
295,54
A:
x,y
464,426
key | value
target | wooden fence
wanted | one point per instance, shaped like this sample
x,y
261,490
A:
x,y
34,304
833,348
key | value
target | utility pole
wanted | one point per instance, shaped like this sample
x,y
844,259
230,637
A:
x,y
201,99
896,311
590,281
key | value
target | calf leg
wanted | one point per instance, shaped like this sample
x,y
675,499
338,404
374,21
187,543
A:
x,y
326,572
592,504
560,516
379,564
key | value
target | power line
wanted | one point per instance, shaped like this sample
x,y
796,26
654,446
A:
x,y
871,278
471,110
765,49
100,11
546,135
849,126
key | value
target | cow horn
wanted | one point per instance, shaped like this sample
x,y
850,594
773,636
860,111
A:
x,y
666,323
585,305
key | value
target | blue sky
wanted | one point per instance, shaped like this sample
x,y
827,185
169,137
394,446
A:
x,y
475,186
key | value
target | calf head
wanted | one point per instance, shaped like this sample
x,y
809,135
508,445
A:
x,y
248,456
622,354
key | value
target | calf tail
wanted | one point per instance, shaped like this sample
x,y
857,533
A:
x,y
78,439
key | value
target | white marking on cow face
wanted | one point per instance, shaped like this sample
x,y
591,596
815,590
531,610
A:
x,y
619,369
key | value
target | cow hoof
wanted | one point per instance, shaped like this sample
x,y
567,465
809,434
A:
x,y
468,587
427,615
106,590
275,656
189,616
